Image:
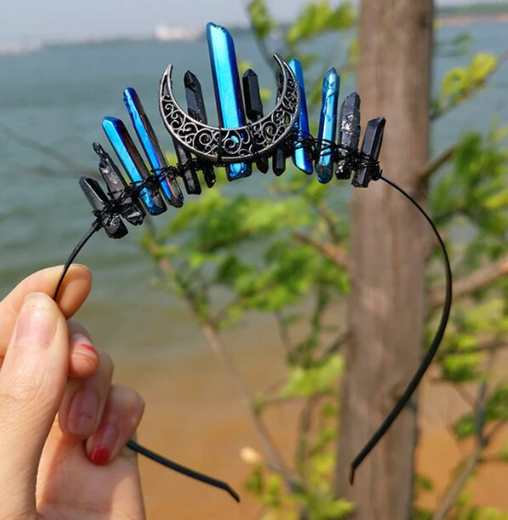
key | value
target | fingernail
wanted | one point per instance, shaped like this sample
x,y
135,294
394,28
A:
x,y
104,444
83,346
37,321
82,418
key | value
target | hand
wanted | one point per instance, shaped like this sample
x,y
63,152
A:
x,y
75,467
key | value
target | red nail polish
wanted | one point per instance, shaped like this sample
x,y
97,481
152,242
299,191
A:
x,y
100,456
88,347
105,442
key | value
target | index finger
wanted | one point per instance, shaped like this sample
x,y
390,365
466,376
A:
x,y
74,291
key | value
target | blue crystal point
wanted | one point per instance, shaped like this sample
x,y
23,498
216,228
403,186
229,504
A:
x,y
132,162
328,125
300,159
226,81
151,146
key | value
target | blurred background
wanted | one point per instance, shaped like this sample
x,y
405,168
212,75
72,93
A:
x,y
240,317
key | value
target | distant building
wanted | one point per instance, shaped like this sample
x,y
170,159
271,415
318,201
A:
x,y
165,33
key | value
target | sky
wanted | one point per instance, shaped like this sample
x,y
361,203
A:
x,y
43,20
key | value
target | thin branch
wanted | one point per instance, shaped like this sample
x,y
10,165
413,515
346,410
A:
x,y
481,407
496,430
466,396
274,458
284,335
260,42
493,457
424,173
222,313
272,454
330,219
304,427
263,49
470,283
46,150
454,491
335,346
486,346
334,253
471,463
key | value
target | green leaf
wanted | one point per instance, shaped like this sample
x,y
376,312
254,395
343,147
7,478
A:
x,y
461,82
424,483
262,22
307,382
465,427
320,17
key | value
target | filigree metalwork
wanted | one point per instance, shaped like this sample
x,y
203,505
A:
x,y
222,145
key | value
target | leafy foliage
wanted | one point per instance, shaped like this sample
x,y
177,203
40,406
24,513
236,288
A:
x,y
262,22
460,83
318,18
496,410
305,382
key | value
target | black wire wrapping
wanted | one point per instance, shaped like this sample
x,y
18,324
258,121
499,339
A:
x,y
429,356
314,148
133,445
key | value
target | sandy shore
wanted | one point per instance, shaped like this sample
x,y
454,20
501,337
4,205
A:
x,y
446,21
194,416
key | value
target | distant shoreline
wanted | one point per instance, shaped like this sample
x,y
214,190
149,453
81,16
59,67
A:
x,y
460,20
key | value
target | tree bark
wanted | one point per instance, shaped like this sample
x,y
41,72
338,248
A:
x,y
387,260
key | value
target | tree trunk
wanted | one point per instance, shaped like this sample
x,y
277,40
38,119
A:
x,y
387,267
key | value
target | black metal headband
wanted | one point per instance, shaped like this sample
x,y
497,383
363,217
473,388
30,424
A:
x,y
244,138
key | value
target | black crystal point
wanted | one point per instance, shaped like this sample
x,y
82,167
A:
x,y
254,109
252,96
262,164
349,135
372,140
194,95
188,170
279,155
279,162
129,208
197,109
111,222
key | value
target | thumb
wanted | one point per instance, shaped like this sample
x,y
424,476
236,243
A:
x,y
32,382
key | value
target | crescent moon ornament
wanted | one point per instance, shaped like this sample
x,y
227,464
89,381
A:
x,y
232,145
